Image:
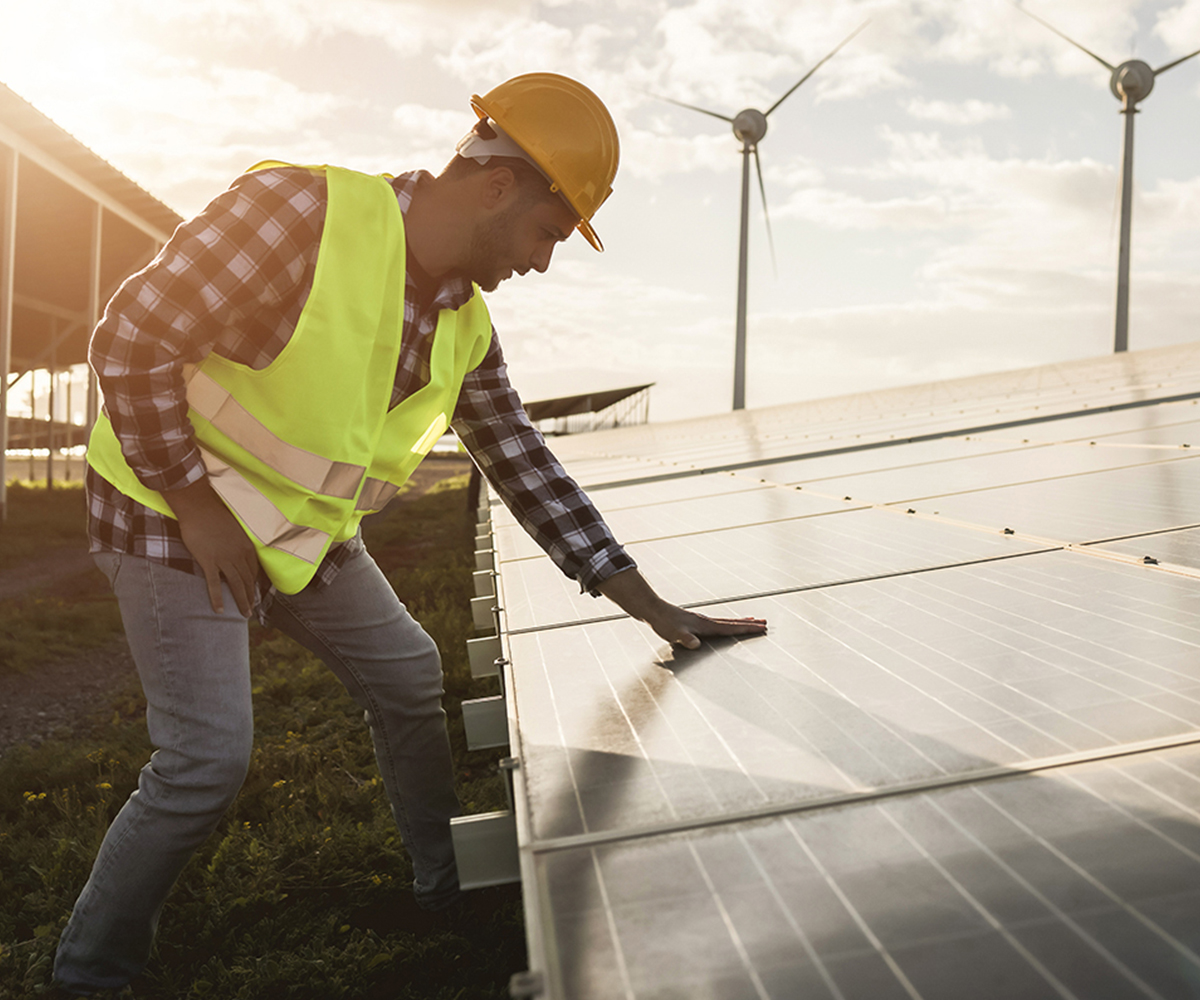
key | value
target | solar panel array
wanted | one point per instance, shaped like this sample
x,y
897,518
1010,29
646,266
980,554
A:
x,y
964,761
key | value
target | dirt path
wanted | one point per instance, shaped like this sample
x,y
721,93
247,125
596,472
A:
x,y
36,704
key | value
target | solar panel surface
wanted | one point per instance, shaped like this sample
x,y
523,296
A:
x,y
965,760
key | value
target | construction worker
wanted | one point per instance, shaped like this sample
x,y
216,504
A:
x,y
277,372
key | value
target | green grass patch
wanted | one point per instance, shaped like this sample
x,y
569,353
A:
x,y
283,900
40,519
72,615
40,628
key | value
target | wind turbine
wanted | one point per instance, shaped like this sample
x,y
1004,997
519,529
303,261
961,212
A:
x,y
749,127
1130,83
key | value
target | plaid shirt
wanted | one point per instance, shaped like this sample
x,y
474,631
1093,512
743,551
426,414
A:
x,y
234,280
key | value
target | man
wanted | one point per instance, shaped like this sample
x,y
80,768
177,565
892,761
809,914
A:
x,y
277,372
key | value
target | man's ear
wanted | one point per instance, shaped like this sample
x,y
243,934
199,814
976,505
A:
x,y
499,185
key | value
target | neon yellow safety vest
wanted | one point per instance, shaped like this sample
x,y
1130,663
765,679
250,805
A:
x,y
300,450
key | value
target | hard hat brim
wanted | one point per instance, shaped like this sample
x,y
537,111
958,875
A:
x,y
589,234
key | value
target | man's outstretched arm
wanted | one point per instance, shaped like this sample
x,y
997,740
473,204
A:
x,y
633,595
512,453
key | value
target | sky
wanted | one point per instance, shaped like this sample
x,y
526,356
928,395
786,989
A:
x,y
943,193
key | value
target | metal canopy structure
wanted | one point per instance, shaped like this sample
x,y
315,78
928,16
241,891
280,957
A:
x,y
965,761
588,402
72,227
591,410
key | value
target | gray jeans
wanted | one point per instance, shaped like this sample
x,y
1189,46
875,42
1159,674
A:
x,y
194,666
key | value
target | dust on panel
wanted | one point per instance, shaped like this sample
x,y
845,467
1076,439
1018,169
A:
x,y
1179,548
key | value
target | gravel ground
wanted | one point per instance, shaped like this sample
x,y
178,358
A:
x,y
35,705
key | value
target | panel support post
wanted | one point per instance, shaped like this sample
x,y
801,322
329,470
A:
x,y
485,721
485,847
9,160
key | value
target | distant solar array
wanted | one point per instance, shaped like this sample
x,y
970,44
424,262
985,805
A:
x,y
964,762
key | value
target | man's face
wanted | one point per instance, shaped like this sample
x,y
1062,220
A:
x,y
517,238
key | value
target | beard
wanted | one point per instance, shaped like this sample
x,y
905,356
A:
x,y
490,252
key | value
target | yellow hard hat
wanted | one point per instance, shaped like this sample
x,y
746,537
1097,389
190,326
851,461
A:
x,y
566,130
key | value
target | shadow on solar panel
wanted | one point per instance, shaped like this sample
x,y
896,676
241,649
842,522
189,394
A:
x,y
1084,882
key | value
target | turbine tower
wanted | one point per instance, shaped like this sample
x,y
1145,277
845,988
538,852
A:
x,y
749,127
1130,83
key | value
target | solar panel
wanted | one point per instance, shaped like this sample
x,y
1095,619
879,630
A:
x,y
951,472
1081,508
1021,887
754,503
1180,548
963,761
858,687
763,558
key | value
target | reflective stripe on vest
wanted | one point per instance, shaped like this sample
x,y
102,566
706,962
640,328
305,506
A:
x,y
301,449
375,495
320,475
260,517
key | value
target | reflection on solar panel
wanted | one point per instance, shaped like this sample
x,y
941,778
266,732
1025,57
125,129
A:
x,y
964,762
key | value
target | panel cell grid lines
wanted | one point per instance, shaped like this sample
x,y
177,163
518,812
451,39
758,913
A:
x,y
965,759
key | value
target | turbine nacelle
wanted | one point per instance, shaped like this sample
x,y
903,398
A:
x,y
1132,81
750,126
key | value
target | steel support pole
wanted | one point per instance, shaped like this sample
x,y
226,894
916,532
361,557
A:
x,y
50,407
94,307
1121,339
739,349
70,442
9,160
32,423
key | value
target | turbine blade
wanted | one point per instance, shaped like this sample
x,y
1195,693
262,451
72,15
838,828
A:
x,y
692,107
816,67
762,189
1171,65
1045,24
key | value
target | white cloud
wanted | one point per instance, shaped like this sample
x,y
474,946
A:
x,y
729,54
658,153
1179,27
430,134
838,210
514,45
1014,44
968,112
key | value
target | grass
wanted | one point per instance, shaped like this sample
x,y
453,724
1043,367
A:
x,y
285,899
36,629
40,519
81,613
